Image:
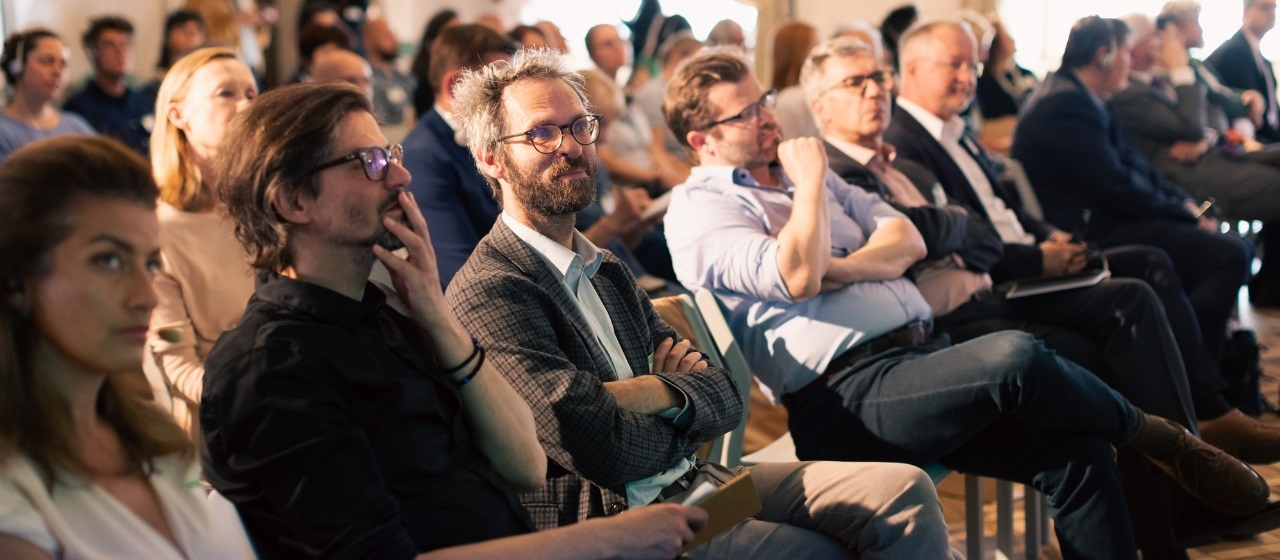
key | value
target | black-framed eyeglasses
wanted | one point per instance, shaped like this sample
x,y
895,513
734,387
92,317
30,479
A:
x,y
377,160
859,82
547,138
752,113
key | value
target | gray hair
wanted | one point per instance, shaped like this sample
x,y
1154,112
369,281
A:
x,y
912,45
811,70
478,94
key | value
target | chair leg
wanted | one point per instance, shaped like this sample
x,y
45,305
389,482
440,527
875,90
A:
x,y
973,516
1032,507
1004,518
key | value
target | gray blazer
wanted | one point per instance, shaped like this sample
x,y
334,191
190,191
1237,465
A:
x,y
515,305
1155,122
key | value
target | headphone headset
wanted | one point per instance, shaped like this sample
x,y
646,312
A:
x,y
1109,58
15,65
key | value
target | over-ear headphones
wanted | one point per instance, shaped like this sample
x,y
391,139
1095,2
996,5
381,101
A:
x,y
1109,58
15,66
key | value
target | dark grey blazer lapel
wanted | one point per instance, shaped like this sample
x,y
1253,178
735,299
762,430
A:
x,y
530,264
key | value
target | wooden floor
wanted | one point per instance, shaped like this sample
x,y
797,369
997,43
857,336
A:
x,y
1266,322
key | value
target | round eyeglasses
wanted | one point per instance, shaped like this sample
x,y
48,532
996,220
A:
x,y
751,114
376,160
547,138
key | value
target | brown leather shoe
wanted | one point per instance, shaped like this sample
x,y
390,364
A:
x,y
1243,436
1218,480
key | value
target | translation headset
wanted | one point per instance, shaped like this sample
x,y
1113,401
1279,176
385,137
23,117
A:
x,y
1109,58
15,65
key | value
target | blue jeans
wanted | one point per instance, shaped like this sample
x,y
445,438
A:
x,y
1001,405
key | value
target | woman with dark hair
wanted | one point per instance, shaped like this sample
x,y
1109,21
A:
x,y
89,467
423,97
35,68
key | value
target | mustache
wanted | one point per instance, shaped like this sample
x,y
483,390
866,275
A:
x,y
391,202
565,165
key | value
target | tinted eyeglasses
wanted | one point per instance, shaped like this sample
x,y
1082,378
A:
x,y
860,82
376,160
752,113
547,138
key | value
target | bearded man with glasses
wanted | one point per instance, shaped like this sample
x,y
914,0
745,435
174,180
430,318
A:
x,y
621,401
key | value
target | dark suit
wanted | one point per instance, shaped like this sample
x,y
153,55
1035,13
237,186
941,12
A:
x,y
915,143
1078,155
1242,189
517,306
1093,327
1234,63
455,199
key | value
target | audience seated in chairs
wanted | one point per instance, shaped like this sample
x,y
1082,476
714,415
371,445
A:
x,y
203,282
89,467
1164,109
566,323
1094,326
343,420
841,337
1078,156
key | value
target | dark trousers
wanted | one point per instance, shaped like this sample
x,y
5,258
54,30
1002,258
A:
x,y
1153,266
1001,405
1211,267
1117,329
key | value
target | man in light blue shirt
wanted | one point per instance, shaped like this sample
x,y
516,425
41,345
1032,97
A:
x,y
811,272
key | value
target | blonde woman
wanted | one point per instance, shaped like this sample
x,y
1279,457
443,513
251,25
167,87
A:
x,y
89,468
204,282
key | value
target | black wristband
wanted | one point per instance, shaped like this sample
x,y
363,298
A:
x,y
474,351
470,376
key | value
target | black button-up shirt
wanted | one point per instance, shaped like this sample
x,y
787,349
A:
x,y
327,423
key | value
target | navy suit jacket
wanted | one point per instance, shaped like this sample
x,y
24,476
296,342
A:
x,y
915,143
1233,61
1078,155
455,199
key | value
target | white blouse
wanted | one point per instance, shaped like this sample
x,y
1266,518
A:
x,y
81,521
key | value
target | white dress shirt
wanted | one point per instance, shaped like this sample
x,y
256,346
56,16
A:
x,y
950,134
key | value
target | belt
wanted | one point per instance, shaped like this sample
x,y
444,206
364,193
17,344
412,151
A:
x,y
679,485
914,333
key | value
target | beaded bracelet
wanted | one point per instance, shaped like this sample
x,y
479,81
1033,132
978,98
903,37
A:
x,y
479,362
474,351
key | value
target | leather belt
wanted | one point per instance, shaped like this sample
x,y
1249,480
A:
x,y
914,333
678,485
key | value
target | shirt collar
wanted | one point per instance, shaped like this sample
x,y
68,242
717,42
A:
x,y
447,116
863,154
738,176
318,301
951,129
1253,41
585,254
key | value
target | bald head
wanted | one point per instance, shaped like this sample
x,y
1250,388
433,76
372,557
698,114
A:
x,y
1146,42
343,66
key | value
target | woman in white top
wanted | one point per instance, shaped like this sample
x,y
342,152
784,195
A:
x,y
35,68
204,281
89,467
